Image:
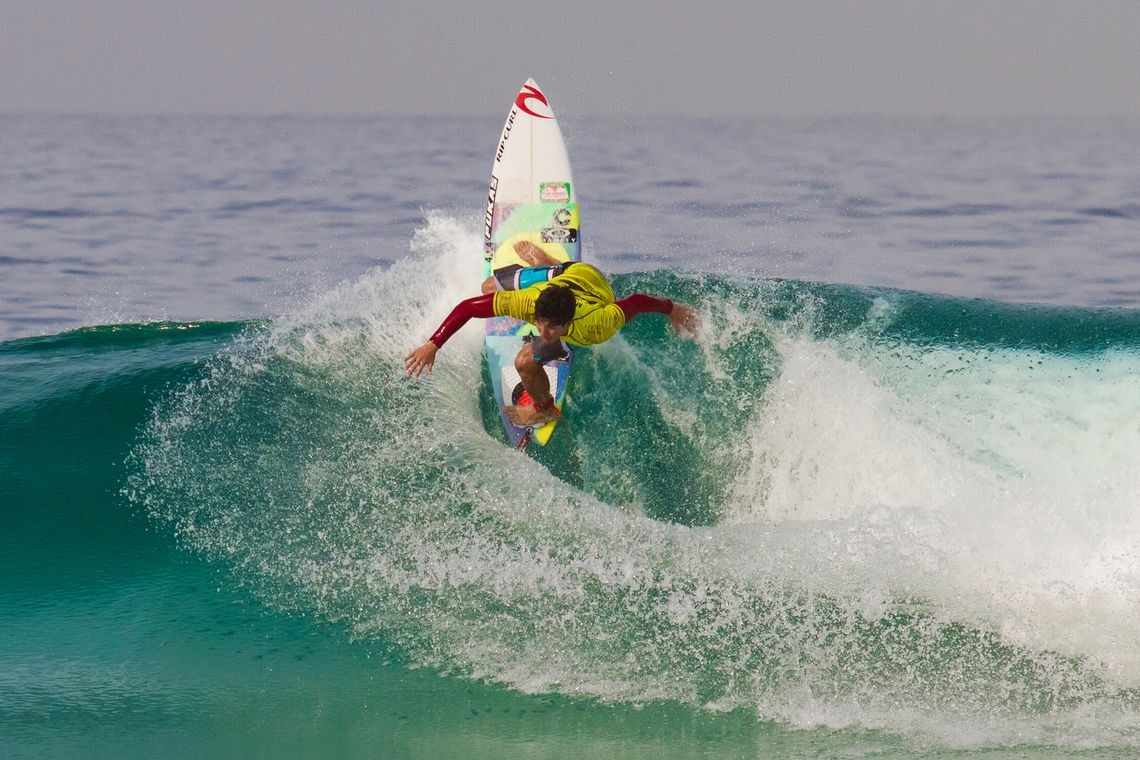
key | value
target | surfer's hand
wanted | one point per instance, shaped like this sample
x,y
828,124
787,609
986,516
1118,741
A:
x,y
420,359
684,320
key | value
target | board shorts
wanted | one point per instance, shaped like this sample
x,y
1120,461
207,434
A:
x,y
516,277
545,351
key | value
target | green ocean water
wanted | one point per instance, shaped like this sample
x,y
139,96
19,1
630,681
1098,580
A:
x,y
844,522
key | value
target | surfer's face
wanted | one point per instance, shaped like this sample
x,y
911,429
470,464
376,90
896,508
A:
x,y
549,331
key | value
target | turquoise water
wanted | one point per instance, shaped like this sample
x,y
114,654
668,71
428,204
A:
x,y
884,507
846,521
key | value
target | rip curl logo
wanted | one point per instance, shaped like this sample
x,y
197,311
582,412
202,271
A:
x,y
528,94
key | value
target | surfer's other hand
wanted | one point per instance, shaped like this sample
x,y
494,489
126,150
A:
x,y
684,320
420,359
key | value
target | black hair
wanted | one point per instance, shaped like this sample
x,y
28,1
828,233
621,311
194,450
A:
x,y
555,304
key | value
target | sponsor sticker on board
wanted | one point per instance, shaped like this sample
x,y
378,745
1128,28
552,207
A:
x,y
554,192
559,235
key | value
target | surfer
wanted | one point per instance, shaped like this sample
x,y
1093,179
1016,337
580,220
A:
x,y
568,302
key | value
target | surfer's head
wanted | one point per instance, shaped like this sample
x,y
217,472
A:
x,y
555,304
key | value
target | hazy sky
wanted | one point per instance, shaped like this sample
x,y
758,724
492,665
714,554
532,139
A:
x,y
964,57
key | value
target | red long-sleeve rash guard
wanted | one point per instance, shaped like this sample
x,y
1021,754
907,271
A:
x,y
483,307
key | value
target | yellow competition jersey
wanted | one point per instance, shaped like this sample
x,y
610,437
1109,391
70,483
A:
x,y
596,317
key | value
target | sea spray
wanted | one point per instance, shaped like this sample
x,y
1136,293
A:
x,y
818,512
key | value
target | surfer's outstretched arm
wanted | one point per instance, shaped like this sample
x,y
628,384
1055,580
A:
x,y
423,357
682,317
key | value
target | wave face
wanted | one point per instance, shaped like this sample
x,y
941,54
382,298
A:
x,y
840,507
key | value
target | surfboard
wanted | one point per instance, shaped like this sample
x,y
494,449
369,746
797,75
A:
x,y
531,197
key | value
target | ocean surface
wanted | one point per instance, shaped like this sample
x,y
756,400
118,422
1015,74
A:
x,y
884,506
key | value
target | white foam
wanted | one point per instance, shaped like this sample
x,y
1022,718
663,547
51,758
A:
x,y
1013,472
882,490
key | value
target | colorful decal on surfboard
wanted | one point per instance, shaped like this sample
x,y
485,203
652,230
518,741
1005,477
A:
x,y
554,192
559,235
529,100
554,230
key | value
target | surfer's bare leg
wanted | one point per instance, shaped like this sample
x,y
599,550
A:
x,y
537,384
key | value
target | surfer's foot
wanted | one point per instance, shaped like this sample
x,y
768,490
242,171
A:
x,y
528,416
533,255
